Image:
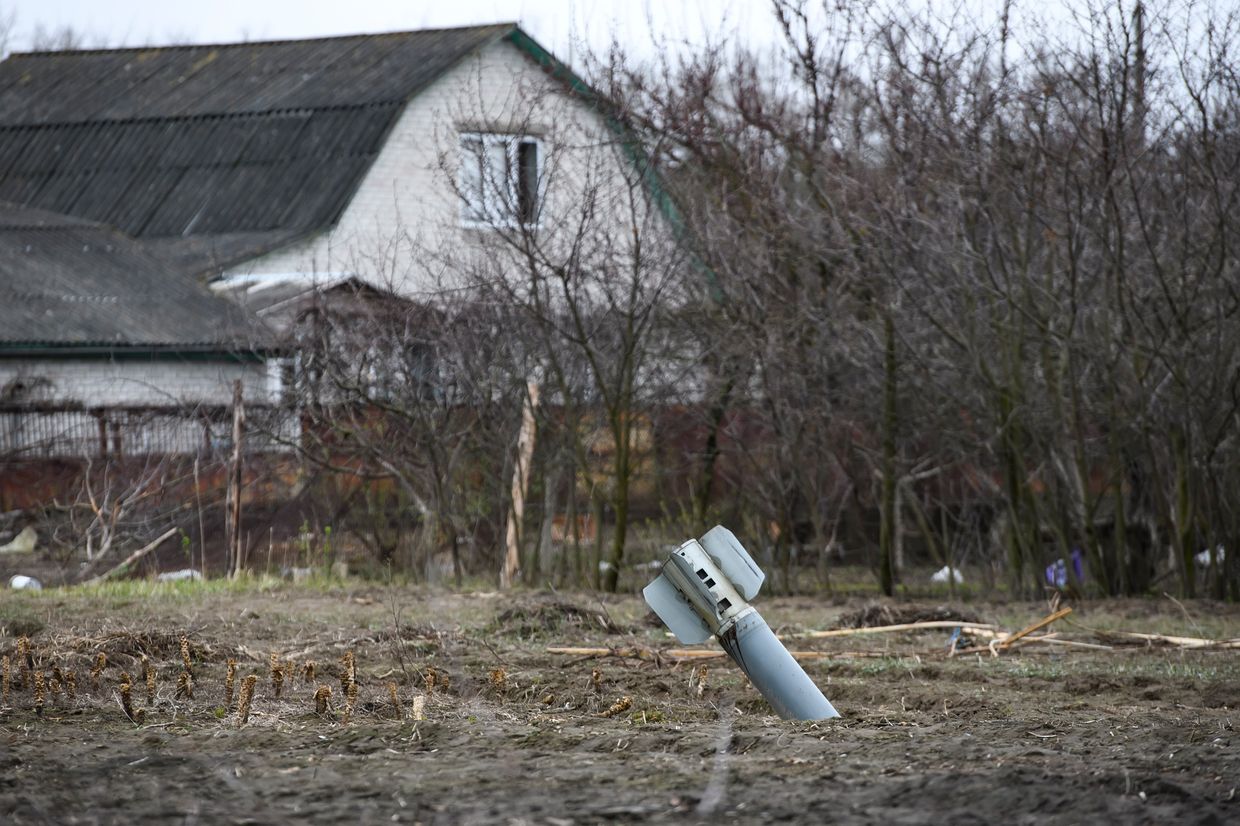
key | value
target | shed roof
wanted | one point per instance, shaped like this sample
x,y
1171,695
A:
x,y
69,283
212,140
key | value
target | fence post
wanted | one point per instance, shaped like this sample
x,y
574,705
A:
x,y
233,508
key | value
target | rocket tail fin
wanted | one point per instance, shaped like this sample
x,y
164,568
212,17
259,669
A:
x,y
675,611
735,562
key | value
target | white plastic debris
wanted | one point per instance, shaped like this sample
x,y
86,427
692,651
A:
x,y
21,582
297,574
945,573
179,576
1203,558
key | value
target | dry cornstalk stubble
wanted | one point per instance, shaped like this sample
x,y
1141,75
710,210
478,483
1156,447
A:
x,y
618,707
148,675
135,716
247,697
348,683
101,662
321,698
277,674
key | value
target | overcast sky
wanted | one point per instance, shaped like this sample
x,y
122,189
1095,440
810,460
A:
x,y
554,23
560,25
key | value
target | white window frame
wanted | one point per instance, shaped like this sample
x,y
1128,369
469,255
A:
x,y
482,206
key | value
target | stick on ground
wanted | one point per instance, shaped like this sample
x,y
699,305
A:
x,y
1007,642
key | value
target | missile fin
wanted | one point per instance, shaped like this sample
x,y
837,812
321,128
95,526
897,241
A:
x,y
675,611
735,562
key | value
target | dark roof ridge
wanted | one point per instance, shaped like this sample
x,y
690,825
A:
x,y
500,27
15,215
206,116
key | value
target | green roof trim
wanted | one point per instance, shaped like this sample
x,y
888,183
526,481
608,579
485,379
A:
x,y
631,145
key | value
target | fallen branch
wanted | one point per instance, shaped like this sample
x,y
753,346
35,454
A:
x,y
1182,642
634,653
1052,639
1008,642
890,629
132,558
681,654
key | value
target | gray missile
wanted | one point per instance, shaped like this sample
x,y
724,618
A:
x,y
704,591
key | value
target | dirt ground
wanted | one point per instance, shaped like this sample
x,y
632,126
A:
x,y
1038,735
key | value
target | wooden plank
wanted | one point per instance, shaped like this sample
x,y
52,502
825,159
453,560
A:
x,y
891,629
1007,642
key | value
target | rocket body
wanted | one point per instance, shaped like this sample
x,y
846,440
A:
x,y
704,591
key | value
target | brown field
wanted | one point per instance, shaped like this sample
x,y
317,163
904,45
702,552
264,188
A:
x,y
1138,734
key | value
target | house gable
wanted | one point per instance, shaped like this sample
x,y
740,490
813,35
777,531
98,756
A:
x,y
406,202
212,140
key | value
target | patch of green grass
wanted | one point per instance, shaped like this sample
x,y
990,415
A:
x,y
1036,669
872,668
22,612
137,589
1215,669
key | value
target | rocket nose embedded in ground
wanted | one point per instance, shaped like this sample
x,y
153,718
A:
x,y
774,672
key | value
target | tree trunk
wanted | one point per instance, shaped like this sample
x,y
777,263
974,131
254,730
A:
x,y
520,483
620,503
887,530
233,510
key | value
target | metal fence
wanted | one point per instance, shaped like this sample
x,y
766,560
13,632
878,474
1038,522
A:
x,y
30,433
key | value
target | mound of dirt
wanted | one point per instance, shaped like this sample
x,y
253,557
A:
x,y
874,615
159,645
547,617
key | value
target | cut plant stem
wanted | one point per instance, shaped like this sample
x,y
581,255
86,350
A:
x,y
101,662
185,654
247,696
321,698
277,675
395,698
148,673
618,707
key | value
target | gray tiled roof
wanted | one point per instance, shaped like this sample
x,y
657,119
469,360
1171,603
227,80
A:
x,y
65,282
212,140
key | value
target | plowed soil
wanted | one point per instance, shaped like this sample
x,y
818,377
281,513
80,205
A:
x,y
514,734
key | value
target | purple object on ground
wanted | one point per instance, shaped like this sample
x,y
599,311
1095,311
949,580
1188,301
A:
x,y
1057,571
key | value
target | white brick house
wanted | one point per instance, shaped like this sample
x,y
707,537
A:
x,y
247,165
104,352
413,195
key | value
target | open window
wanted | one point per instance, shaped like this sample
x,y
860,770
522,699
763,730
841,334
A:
x,y
500,179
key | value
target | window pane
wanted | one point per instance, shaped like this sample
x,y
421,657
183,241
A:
x,y
527,182
496,187
471,179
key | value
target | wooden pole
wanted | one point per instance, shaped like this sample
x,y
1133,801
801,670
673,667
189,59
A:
x,y
1007,642
233,501
891,629
520,484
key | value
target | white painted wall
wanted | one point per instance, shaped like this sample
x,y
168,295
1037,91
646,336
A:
x,y
101,383
406,203
127,391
